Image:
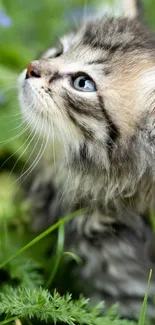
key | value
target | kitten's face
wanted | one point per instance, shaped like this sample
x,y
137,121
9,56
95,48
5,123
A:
x,y
95,89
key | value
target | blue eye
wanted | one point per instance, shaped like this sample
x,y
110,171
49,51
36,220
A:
x,y
84,83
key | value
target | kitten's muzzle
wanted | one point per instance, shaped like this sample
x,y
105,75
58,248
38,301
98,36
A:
x,y
33,71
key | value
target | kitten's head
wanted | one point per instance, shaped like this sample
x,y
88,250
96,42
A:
x,y
96,90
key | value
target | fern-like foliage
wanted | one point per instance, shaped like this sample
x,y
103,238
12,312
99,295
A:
x,y
40,304
26,272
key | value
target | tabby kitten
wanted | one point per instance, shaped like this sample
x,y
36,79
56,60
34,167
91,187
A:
x,y
96,93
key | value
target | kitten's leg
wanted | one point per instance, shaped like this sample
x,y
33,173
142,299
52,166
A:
x,y
116,265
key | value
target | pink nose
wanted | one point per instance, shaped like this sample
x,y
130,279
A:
x,y
33,71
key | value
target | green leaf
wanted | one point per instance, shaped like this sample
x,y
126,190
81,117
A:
x,y
40,304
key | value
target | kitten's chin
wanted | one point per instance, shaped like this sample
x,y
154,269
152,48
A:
x,y
37,122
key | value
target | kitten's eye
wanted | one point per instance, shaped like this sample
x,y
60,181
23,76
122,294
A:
x,y
84,83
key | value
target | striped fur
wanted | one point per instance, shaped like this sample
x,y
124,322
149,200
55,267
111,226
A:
x,y
107,163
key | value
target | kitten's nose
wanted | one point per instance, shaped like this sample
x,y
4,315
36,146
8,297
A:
x,y
33,71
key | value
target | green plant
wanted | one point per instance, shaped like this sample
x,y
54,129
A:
x,y
23,296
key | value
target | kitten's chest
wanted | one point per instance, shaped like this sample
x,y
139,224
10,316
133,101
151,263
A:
x,y
111,198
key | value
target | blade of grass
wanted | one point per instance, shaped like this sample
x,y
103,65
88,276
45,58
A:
x,y
152,218
75,257
142,317
59,252
41,236
6,321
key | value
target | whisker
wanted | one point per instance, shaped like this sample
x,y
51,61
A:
x,y
40,135
37,159
69,170
4,142
11,115
16,152
29,137
53,144
85,10
65,187
63,142
70,14
18,126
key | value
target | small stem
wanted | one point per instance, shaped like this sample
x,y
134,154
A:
x,y
41,236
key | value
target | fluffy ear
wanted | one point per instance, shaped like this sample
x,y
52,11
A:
x,y
133,8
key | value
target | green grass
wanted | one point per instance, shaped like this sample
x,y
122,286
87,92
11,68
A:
x,y
25,295
28,275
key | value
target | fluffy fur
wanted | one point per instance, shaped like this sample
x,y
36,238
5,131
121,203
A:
x,y
107,157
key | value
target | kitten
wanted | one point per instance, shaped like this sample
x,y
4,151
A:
x,y
95,92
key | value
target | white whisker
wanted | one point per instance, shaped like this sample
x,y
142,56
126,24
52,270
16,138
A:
x,y
85,11
63,142
53,143
11,115
16,152
40,135
4,142
28,145
18,126
38,157
70,14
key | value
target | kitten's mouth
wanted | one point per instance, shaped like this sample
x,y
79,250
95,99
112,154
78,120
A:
x,y
31,100
36,104
32,91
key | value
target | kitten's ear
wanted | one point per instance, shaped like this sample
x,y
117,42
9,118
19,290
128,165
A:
x,y
133,9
